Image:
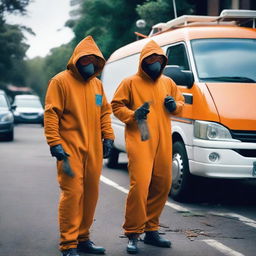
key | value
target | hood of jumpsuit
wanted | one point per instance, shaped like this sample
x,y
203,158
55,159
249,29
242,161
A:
x,y
151,48
86,47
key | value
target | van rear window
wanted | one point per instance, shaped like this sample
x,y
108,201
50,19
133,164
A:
x,y
225,59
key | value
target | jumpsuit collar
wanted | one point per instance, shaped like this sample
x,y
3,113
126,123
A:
x,y
150,48
86,47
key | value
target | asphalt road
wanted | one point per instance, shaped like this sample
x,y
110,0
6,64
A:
x,y
220,221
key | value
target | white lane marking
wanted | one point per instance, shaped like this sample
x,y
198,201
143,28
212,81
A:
x,y
217,245
241,218
113,184
222,248
179,208
124,190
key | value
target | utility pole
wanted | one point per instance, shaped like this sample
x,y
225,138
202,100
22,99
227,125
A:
x,y
174,8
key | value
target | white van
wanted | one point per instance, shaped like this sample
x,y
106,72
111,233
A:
x,y
212,60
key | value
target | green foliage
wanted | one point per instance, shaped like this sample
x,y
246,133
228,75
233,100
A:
x,y
13,6
12,52
110,22
12,46
57,60
41,70
35,75
154,12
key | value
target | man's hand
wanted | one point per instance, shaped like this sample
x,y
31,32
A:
x,y
58,152
107,147
170,104
142,112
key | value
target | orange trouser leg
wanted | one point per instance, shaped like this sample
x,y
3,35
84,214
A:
x,y
159,187
70,205
90,197
140,170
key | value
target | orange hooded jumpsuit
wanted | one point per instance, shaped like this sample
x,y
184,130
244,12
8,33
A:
x,y
77,116
150,161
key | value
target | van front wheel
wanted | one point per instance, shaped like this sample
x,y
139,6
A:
x,y
181,177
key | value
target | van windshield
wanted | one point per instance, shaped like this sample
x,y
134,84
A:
x,y
3,102
225,60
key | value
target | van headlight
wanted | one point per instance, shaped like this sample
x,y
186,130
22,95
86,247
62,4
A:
x,y
6,118
211,131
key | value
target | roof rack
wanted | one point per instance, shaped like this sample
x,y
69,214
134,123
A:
x,y
238,17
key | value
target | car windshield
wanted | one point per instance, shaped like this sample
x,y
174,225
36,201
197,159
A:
x,y
225,60
3,102
28,103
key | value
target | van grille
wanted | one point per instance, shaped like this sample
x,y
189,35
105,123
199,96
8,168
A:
x,y
245,136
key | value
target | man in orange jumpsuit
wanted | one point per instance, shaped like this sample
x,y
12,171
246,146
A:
x,y
149,161
78,131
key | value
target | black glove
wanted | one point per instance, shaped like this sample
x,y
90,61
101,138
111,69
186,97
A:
x,y
141,112
58,152
170,104
107,147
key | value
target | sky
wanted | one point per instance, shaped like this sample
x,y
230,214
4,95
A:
x,y
47,19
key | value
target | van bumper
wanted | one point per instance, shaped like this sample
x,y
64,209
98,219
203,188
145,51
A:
x,y
230,164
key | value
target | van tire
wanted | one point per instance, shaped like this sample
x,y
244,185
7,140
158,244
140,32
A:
x,y
182,180
113,159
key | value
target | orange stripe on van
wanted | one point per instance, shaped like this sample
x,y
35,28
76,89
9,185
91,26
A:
x,y
182,120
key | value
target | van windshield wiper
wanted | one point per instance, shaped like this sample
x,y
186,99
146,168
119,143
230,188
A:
x,y
240,79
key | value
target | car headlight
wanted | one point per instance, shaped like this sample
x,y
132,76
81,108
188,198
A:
x,y
6,118
211,131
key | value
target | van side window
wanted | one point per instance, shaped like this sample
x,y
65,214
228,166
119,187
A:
x,y
177,55
114,72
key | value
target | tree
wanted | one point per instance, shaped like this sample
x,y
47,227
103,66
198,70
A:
x,y
110,22
12,46
154,12
12,51
13,6
40,70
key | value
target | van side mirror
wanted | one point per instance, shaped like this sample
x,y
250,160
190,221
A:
x,y
180,77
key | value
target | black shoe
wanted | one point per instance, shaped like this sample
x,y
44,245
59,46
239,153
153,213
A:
x,y
132,247
89,247
70,252
153,238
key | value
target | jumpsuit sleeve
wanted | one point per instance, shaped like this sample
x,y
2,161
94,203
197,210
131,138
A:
x,y
106,129
178,97
120,103
54,106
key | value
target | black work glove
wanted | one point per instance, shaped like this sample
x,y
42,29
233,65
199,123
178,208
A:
x,y
141,112
107,147
170,104
58,152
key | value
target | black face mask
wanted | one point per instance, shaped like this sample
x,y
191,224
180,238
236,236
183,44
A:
x,y
153,70
86,71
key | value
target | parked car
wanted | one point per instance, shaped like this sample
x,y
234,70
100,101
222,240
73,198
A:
x,y
212,60
28,109
6,118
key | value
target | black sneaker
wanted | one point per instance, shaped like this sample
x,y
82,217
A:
x,y
89,247
132,247
70,252
153,238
